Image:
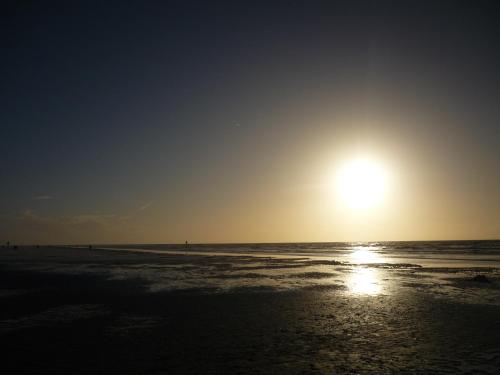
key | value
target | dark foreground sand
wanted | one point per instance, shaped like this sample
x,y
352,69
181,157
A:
x,y
73,311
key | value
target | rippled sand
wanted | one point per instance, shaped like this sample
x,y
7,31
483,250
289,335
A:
x,y
81,311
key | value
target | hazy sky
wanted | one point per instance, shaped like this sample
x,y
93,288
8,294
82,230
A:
x,y
226,121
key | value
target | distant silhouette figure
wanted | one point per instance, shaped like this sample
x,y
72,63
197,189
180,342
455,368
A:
x,y
90,247
8,244
186,244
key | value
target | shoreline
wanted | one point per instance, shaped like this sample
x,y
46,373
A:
x,y
471,261
146,313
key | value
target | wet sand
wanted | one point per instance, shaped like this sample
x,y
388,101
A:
x,y
79,311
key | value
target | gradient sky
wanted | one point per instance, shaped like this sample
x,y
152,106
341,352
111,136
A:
x,y
157,122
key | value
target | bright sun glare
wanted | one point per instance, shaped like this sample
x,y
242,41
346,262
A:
x,y
362,184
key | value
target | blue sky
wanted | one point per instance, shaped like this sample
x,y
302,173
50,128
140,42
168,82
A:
x,y
155,122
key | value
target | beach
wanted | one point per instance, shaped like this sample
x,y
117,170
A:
x,y
309,308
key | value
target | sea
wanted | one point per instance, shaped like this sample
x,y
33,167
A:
x,y
450,254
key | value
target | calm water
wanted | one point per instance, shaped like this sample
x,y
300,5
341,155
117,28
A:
x,y
428,254
368,308
439,269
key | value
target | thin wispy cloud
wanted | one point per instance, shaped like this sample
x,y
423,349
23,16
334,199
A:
x,y
30,226
145,206
43,197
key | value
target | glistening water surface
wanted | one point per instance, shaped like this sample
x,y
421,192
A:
x,y
429,307
429,253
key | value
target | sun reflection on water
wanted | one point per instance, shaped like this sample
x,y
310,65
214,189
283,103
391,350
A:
x,y
365,254
364,281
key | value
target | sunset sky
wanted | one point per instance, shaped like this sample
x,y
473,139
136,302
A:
x,y
160,122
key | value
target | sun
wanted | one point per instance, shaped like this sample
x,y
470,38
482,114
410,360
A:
x,y
362,183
